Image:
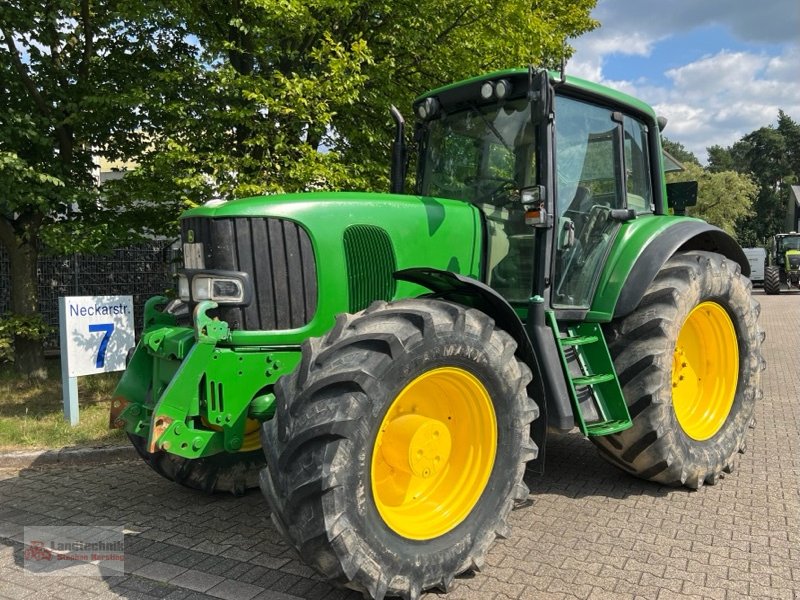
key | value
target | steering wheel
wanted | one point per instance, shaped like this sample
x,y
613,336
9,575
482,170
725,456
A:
x,y
597,216
499,195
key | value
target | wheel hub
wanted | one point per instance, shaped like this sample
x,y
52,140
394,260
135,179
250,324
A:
x,y
705,368
419,446
434,453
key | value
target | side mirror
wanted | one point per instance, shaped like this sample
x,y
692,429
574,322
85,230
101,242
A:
x,y
680,195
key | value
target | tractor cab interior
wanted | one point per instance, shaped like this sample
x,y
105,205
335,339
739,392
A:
x,y
486,155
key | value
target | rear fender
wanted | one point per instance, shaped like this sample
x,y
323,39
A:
x,y
683,236
640,249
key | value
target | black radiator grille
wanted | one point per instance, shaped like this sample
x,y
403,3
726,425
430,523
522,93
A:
x,y
794,261
279,259
371,263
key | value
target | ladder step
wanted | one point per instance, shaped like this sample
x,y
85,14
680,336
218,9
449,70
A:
x,y
593,379
596,396
580,340
607,427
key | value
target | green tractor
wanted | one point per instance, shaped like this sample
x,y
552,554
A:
x,y
784,267
387,366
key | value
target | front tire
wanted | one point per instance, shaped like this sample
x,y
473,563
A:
x,y
399,446
772,280
224,472
689,362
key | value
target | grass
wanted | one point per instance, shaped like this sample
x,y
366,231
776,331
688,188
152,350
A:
x,y
32,412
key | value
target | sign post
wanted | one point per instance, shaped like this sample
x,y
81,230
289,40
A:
x,y
96,333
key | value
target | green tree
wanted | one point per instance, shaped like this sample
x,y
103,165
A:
x,y
73,75
724,198
294,95
720,159
679,152
770,156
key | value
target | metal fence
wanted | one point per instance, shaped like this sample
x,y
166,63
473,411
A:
x,y
139,271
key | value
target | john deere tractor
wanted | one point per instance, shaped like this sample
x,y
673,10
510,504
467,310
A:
x,y
388,365
784,267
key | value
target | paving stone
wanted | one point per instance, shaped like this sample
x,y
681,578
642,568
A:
x,y
591,532
230,589
272,595
134,562
160,571
197,580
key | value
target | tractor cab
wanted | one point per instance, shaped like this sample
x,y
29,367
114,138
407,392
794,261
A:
x,y
542,161
787,245
784,267
486,154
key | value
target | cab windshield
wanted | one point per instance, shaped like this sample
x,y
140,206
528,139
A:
x,y
790,242
485,155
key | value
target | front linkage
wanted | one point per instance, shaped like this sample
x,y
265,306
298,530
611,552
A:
x,y
186,392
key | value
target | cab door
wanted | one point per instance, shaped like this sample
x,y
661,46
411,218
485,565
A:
x,y
602,169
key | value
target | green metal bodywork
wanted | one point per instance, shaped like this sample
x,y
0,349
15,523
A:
x,y
594,88
180,380
435,232
631,240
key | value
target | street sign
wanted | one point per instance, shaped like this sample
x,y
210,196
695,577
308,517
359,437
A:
x,y
96,334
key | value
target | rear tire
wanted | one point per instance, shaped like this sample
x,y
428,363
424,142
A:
x,y
223,472
772,280
689,362
337,491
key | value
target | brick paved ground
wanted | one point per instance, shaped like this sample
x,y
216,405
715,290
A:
x,y
592,531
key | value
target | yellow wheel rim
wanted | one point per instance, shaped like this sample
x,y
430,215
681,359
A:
x,y
252,434
434,453
705,368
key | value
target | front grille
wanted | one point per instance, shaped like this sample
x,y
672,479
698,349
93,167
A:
x,y
279,259
794,261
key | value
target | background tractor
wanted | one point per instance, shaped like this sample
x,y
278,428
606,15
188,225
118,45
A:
x,y
784,263
399,359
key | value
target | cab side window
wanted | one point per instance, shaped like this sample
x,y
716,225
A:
x,y
589,187
638,185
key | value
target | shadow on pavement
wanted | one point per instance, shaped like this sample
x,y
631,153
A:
x,y
574,469
176,539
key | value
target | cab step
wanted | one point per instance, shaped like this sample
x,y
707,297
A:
x,y
594,389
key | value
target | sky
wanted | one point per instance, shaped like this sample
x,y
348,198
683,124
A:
x,y
716,69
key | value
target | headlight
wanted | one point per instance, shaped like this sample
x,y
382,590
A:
x,y
219,289
183,288
428,108
502,89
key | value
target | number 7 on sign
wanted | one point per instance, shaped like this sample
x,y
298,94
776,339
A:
x,y
108,329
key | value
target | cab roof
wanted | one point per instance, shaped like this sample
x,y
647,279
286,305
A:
x,y
575,84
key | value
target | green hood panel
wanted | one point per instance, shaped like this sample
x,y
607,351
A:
x,y
356,237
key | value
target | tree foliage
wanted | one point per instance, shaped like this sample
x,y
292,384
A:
x,y
770,155
74,77
679,152
724,198
294,95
